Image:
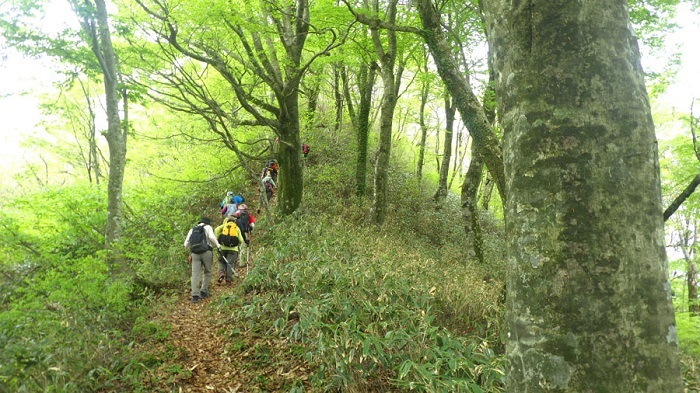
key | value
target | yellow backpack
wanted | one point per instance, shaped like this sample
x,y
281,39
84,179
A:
x,y
229,235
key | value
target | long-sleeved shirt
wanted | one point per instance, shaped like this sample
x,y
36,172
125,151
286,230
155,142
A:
x,y
211,239
220,228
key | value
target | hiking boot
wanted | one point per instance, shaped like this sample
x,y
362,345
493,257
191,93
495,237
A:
x,y
222,277
195,299
203,295
228,282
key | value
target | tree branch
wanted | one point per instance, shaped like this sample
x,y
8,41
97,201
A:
x,y
682,197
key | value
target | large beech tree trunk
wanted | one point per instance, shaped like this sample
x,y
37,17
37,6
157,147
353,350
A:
x,y
588,302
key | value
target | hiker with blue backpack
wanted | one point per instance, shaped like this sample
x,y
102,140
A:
x,y
231,239
201,240
227,199
230,204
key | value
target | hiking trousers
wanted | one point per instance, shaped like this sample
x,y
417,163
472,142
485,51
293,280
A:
x,y
201,272
227,268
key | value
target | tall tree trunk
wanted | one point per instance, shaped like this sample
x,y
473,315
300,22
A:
x,y
338,97
291,179
463,97
391,80
487,191
116,134
692,281
312,93
381,165
470,211
589,302
691,272
441,193
365,83
425,89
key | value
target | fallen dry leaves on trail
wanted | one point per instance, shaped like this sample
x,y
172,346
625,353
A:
x,y
199,356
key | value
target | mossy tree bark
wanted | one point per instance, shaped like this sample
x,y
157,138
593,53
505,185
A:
x,y
366,77
390,73
589,302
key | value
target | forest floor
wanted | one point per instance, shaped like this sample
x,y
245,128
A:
x,y
204,353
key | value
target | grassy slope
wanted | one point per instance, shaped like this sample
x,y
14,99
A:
x,y
366,308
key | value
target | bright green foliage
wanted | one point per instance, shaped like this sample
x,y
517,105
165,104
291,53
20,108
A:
x,y
374,310
60,310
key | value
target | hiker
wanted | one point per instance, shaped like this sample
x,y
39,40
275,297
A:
x,y
271,169
232,205
226,199
246,223
270,186
230,238
229,208
305,149
200,240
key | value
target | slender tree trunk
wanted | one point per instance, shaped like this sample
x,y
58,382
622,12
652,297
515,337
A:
x,y
312,99
441,193
691,273
487,191
589,302
391,80
381,166
425,88
463,97
367,77
470,211
116,134
338,96
692,281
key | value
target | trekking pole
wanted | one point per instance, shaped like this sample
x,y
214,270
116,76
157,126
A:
x,y
229,264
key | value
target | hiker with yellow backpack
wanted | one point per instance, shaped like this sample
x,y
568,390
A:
x,y
230,238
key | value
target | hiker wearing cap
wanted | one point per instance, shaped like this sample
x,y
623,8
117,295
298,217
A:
x,y
200,240
246,222
230,238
